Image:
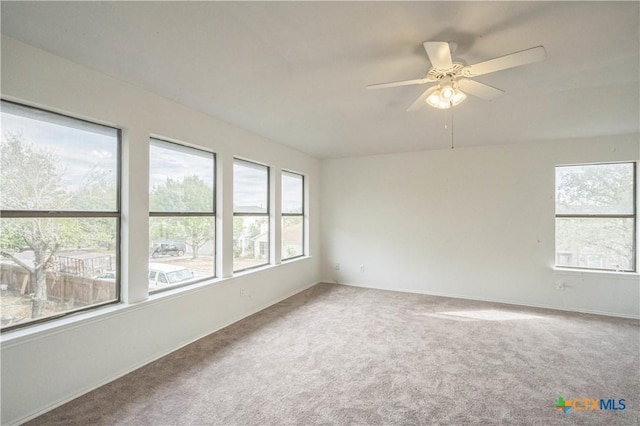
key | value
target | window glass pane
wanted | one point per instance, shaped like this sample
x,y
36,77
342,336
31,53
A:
x,y
51,162
292,236
56,265
595,189
292,192
250,187
250,241
602,243
185,244
181,179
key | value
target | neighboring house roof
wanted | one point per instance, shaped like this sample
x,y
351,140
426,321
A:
x,y
263,236
290,234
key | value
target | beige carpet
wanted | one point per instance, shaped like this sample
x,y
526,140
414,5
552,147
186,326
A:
x,y
342,355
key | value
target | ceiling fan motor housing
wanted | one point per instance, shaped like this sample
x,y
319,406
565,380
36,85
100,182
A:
x,y
452,73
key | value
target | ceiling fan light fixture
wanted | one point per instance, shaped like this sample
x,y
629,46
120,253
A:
x,y
447,92
434,99
446,96
458,97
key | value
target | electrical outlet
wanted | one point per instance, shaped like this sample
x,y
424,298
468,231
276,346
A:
x,y
243,292
337,267
362,268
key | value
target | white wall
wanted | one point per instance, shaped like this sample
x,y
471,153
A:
x,y
473,223
52,363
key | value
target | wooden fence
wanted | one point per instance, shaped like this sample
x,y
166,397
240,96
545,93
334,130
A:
x,y
79,291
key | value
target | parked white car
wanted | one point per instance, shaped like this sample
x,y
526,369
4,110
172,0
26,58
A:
x,y
163,274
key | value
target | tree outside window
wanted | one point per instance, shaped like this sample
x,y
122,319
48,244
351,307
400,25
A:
x,y
596,216
182,212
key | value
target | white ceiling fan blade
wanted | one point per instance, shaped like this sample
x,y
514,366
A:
x,y
422,100
480,90
439,54
535,54
422,80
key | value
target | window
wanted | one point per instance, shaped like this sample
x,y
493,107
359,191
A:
x,y
59,215
250,215
596,216
292,215
181,214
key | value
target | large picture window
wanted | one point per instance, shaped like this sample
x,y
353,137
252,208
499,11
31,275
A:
x,y
250,215
181,215
292,215
596,216
59,215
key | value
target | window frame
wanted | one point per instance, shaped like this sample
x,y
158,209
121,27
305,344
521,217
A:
x,y
266,214
64,214
302,215
172,214
633,216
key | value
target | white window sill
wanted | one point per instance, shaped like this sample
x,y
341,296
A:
x,y
593,272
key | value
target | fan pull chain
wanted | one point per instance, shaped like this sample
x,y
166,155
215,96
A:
x,y
446,121
451,126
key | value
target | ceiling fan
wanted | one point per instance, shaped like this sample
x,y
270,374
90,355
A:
x,y
453,78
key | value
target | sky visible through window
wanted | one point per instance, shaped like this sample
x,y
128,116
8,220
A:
x,y
250,187
292,193
167,161
78,153
97,153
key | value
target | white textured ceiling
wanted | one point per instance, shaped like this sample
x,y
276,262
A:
x,y
296,72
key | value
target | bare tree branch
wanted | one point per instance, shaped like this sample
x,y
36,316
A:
x,y
16,260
